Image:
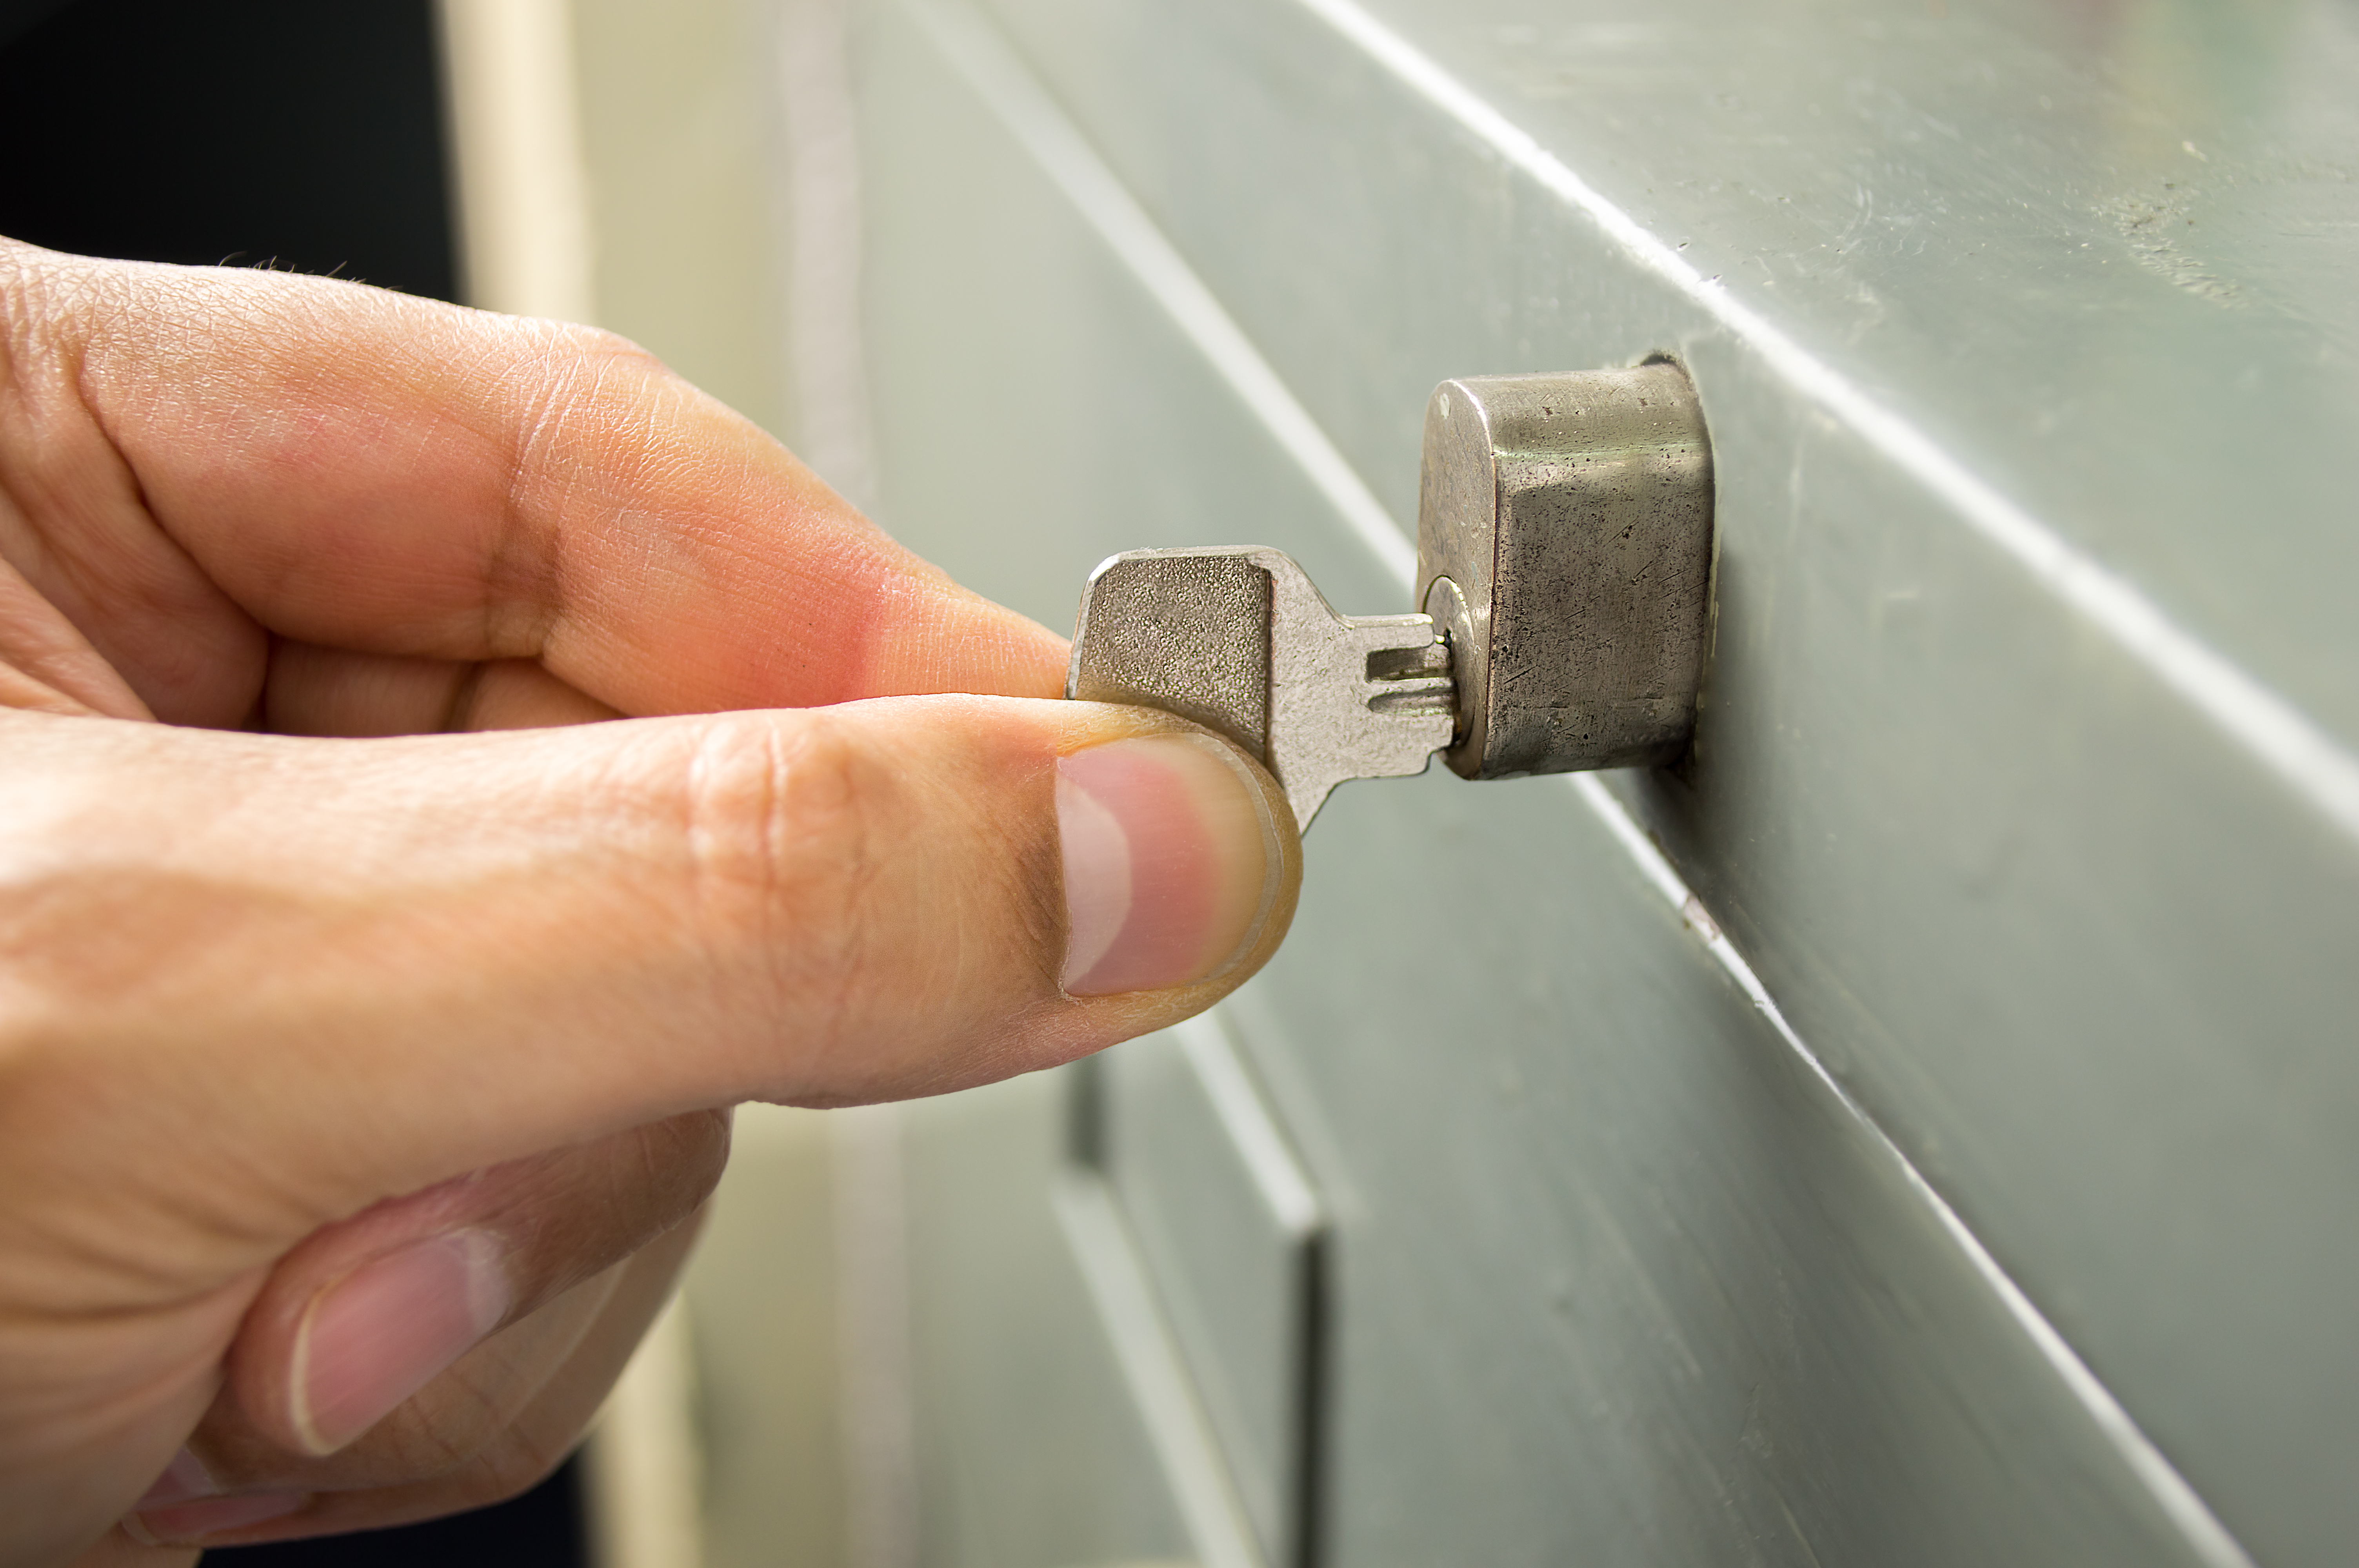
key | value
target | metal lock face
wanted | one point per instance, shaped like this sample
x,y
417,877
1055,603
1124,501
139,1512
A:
x,y
1564,549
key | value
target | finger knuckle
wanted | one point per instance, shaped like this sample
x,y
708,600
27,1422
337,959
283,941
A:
x,y
511,1464
789,828
688,1153
671,1168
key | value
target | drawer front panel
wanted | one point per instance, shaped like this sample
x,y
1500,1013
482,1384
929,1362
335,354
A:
x,y
1620,1273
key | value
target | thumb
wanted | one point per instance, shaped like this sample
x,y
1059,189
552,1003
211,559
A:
x,y
259,983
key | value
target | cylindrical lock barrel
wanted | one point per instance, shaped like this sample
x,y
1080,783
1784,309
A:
x,y
1564,545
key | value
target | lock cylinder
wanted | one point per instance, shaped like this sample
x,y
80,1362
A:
x,y
1564,550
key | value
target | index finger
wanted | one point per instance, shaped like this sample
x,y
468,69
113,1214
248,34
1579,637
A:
x,y
359,469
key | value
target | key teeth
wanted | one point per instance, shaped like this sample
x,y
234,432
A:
x,y
1407,663
1413,681
1414,697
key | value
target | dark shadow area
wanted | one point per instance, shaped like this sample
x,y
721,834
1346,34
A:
x,y
541,1529
287,132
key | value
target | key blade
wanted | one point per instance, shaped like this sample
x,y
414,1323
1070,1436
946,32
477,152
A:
x,y
1351,696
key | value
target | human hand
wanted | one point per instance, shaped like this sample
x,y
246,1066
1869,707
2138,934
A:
x,y
357,1079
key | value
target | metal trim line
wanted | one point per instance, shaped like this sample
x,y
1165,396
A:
x,y
1156,1377
1245,1118
2179,1501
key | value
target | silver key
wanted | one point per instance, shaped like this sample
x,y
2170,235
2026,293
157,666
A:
x,y
1237,639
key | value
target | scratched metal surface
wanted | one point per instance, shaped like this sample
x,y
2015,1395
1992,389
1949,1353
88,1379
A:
x,y
1991,219
1620,1278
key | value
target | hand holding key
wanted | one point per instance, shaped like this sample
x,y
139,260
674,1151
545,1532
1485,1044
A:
x,y
388,910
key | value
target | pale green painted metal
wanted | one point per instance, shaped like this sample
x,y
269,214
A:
x,y
1032,1448
1617,1277
1229,1229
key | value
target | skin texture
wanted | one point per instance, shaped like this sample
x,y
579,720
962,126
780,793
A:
x,y
445,760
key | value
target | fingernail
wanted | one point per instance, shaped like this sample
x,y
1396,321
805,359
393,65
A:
x,y
190,1524
378,1334
182,1480
1172,862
